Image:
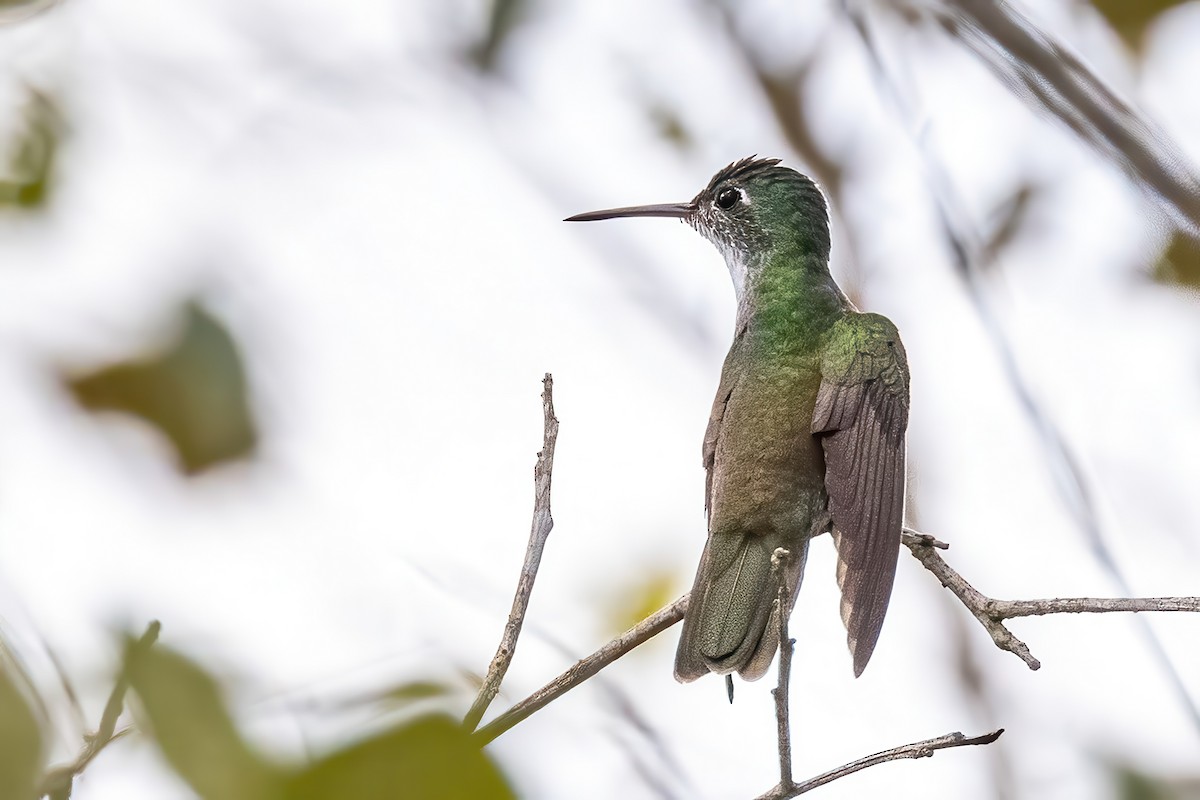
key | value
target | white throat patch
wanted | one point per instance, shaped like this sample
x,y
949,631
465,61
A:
x,y
739,270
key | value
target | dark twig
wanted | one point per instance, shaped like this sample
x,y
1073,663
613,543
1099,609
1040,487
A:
x,y
57,781
1055,78
584,669
540,529
921,749
786,645
992,613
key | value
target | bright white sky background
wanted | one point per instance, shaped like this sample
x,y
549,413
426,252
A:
x,y
379,227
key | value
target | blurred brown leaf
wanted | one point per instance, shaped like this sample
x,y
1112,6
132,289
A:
x,y
1179,265
1130,18
194,393
20,739
189,721
432,758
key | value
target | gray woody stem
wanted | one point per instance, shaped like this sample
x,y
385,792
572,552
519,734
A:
x,y
992,613
585,668
786,645
922,749
539,532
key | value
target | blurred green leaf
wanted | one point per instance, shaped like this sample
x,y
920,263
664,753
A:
x,y
26,181
1130,783
195,393
20,740
1130,18
1133,785
430,758
1179,265
195,732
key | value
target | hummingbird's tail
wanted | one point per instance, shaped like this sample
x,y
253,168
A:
x,y
730,624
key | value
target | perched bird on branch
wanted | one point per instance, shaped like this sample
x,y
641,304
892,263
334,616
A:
x,y
807,429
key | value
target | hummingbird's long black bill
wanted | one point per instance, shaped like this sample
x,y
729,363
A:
x,y
662,210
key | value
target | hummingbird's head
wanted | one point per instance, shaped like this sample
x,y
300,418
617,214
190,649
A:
x,y
754,206
749,209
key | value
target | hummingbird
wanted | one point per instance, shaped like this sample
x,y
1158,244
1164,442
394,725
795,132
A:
x,y
807,431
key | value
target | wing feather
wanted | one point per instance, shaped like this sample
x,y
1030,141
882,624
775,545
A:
x,y
861,416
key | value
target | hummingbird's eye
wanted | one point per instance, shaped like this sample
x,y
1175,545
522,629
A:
x,y
728,198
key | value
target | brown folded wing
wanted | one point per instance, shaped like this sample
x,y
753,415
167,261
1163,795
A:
x,y
861,416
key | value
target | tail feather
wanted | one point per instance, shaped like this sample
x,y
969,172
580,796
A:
x,y
731,625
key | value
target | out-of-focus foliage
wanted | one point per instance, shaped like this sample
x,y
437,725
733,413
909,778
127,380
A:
x,y
188,719
27,176
1179,265
1130,18
1131,784
20,739
194,393
28,6
431,757
657,589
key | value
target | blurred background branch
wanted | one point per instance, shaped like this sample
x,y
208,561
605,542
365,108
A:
x,y
59,781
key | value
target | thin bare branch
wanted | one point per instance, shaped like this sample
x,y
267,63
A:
x,y
925,548
921,749
585,668
1007,609
57,781
992,613
540,529
783,726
